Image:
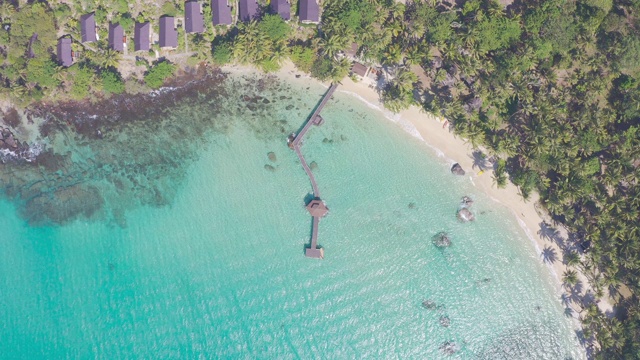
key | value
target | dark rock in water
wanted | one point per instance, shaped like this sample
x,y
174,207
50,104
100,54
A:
x,y
441,240
297,76
428,304
445,321
112,267
269,168
10,141
265,101
456,169
313,165
465,215
467,201
289,107
412,205
327,141
272,156
449,347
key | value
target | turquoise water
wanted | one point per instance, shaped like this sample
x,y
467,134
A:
x,y
216,269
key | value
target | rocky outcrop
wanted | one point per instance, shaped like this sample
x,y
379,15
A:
x,y
465,215
441,240
456,169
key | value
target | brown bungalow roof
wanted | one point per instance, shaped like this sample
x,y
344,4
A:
x,y
317,208
64,52
88,27
141,36
309,11
352,51
221,12
168,32
282,8
359,69
248,10
116,37
193,18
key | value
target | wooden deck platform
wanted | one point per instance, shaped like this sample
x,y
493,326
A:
x,y
316,207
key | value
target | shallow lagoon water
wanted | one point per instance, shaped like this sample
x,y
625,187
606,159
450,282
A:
x,y
216,269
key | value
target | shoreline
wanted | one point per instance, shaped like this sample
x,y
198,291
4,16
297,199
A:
x,y
432,131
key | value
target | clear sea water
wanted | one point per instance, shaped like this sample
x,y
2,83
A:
x,y
215,269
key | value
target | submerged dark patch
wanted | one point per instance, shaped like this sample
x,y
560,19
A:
x,y
129,151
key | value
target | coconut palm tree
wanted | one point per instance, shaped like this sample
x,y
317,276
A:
x,y
570,278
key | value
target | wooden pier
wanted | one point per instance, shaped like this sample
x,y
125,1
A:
x,y
316,207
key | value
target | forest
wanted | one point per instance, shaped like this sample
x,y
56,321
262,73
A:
x,y
551,88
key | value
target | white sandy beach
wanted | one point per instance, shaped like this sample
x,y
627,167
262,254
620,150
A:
x,y
444,143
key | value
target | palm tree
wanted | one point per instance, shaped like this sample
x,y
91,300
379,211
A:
x,y
6,10
570,277
332,45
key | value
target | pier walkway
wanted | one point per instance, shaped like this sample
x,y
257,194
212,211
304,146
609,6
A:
x,y
316,207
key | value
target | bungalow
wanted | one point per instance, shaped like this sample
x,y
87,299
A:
x,y
141,38
116,37
88,27
64,52
168,33
194,20
248,10
359,69
221,12
282,8
309,11
352,51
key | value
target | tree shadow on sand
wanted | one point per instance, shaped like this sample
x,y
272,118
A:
x,y
549,255
549,233
480,160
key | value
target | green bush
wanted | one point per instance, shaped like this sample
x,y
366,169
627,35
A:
x,y
82,79
322,68
274,27
222,54
155,77
112,82
303,58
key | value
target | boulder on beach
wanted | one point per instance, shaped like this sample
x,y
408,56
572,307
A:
x,y
456,169
465,215
441,240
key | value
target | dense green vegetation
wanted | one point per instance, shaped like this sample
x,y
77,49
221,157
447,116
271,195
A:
x,y
551,88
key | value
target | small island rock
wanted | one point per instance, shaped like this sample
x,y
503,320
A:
x,y
465,215
456,169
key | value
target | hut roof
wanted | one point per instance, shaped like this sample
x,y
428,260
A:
x,y
248,10
359,69
88,27
309,11
352,51
116,37
141,37
168,32
193,18
221,12
317,208
282,8
64,52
